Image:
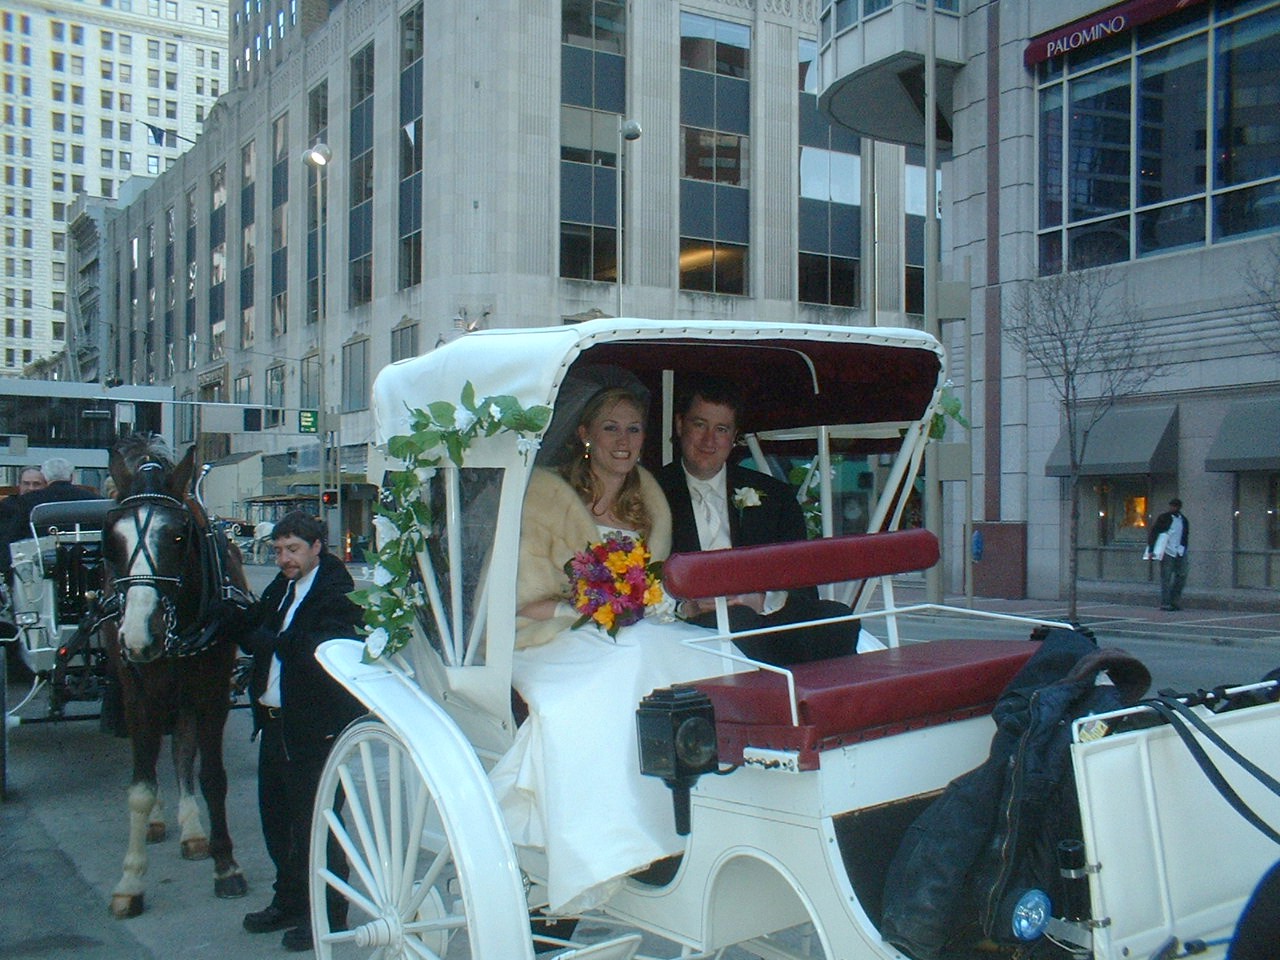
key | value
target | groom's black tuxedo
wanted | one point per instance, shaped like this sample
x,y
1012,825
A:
x,y
777,519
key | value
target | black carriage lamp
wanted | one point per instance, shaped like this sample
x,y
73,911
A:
x,y
677,734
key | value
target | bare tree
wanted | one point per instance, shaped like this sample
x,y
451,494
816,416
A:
x,y
1084,334
1262,280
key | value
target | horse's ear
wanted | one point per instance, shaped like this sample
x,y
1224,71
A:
x,y
180,482
119,472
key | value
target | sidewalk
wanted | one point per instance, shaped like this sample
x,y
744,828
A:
x,y
1190,623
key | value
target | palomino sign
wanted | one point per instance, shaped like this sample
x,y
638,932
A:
x,y
1099,26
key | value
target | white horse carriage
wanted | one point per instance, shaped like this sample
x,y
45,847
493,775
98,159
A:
x,y
827,763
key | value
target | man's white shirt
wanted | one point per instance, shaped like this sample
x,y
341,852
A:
x,y
271,697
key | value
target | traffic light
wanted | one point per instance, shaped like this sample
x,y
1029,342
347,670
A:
x,y
329,498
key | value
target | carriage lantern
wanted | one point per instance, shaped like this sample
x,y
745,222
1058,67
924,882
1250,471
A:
x,y
677,732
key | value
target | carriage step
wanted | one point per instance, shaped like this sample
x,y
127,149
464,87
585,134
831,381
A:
x,y
623,948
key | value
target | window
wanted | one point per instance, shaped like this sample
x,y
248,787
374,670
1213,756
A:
x,y
1159,140
355,376
593,98
830,213
409,267
360,212
275,395
714,126
317,132
404,341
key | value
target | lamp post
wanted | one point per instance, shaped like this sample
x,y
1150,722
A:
x,y
934,586
318,157
628,130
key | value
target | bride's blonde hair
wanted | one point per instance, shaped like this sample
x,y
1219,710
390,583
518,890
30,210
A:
x,y
629,507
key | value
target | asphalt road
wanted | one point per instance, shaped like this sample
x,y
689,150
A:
x,y
63,830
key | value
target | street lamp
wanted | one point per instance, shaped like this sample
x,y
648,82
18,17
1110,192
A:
x,y
318,157
628,130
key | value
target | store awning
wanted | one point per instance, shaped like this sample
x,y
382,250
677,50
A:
x,y
1249,438
1126,441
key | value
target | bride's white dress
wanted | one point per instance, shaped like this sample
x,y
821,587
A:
x,y
571,783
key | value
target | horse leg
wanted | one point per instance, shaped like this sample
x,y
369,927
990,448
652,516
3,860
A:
x,y
192,837
127,897
156,829
228,881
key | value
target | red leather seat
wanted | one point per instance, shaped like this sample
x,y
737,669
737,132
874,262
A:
x,y
856,698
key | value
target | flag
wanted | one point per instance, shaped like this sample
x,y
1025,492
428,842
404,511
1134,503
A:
x,y
157,133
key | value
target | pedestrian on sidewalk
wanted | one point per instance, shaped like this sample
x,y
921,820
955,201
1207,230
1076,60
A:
x,y
1171,551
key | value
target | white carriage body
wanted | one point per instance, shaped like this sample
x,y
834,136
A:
x,y
769,846
48,581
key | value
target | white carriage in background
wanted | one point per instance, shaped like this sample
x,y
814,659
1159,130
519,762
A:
x,y
786,855
53,589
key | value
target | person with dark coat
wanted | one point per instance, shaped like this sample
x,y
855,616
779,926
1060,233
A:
x,y
15,511
1173,559
298,711
716,505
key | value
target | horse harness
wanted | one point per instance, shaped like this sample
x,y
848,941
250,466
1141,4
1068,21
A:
x,y
216,586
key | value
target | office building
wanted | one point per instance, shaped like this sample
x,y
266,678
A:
x,y
92,95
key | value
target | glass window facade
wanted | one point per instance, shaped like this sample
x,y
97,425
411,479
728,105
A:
x,y
280,164
411,133
317,132
593,99
1162,139
360,207
715,99
829,238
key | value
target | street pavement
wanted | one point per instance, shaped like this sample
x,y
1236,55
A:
x,y
63,829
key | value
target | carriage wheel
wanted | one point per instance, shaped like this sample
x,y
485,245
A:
x,y
406,893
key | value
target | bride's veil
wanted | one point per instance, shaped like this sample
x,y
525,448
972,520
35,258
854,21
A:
x,y
582,383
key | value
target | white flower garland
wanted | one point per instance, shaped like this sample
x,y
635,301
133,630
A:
x,y
438,434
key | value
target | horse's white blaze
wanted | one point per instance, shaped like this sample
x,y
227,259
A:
x,y
139,602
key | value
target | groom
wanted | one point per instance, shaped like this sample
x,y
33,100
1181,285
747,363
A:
x,y
716,505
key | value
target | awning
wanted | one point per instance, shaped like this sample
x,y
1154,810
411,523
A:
x,y
1126,441
1249,438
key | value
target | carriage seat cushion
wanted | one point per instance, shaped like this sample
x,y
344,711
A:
x,y
841,698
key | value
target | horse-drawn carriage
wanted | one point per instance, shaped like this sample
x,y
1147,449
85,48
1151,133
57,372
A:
x,y
828,763
56,579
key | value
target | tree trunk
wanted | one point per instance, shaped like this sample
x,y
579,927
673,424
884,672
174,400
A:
x,y
1073,543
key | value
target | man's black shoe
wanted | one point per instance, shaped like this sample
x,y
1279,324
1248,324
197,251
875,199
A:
x,y
297,939
271,919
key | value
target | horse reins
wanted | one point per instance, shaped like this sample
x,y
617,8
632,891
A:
x,y
212,565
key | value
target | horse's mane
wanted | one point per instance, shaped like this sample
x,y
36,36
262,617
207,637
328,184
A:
x,y
135,449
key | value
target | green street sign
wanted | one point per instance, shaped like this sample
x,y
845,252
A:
x,y
308,421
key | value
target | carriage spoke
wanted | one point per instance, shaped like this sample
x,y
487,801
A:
x,y
428,882
376,815
421,806
355,802
350,892
357,862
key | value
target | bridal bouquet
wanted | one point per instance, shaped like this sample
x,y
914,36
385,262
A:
x,y
611,582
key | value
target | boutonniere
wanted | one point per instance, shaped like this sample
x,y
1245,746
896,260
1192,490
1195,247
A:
x,y
744,497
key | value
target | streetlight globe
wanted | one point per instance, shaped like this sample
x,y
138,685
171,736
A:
x,y
318,155
631,130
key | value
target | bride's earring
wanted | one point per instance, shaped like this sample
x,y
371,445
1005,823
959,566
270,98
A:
x,y
586,449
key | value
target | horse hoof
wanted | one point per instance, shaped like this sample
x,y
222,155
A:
x,y
196,849
155,833
126,905
230,888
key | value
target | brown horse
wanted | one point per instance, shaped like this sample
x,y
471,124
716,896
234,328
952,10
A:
x,y
171,572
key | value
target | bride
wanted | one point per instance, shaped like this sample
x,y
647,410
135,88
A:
x,y
571,784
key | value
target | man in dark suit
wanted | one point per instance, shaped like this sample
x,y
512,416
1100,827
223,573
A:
x,y
298,710
54,486
716,505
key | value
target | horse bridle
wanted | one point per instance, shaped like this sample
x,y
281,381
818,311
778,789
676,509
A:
x,y
201,634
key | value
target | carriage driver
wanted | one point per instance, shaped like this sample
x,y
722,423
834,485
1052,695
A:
x,y
298,710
